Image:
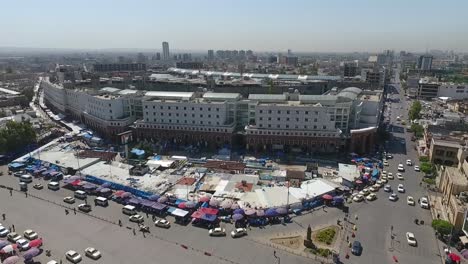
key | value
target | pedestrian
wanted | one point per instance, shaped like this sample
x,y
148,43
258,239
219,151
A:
x,y
74,210
419,200
134,233
13,228
11,192
438,216
120,222
66,212
4,217
26,193
356,217
147,216
60,261
347,238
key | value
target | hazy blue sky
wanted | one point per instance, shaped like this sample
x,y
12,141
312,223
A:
x,y
301,25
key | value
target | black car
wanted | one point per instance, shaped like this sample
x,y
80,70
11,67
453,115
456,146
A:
x,y
357,248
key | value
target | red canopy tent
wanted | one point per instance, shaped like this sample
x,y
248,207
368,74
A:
x,y
211,211
327,197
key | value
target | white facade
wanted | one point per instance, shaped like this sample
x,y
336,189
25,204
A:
x,y
454,91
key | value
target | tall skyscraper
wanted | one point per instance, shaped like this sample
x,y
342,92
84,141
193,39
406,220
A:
x,y
425,62
165,47
158,56
210,55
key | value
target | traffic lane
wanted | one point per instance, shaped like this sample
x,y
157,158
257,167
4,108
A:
x,y
64,232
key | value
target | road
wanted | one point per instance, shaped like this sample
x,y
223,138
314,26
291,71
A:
x,y
375,221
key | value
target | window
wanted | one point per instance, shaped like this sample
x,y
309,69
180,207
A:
x,y
324,127
201,116
316,112
269,111
193,108
278,126
261,118
269,125
305,127
315,127
161,107
261,111
209,116
287,119
287,112
146,106
279,119
306,112
110,111
287,126
185,108
176,114
154,107
279,111
209,108
201,122
176,108
217,116
217,109
315,119
169,114
297,119
307,119
269,119
169,107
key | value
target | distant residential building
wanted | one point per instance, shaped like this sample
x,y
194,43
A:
x,y
158,56
425,62
376,77
210,55
350,70
445,151
428,88
141,58
120,67
452,90
165,48
189,64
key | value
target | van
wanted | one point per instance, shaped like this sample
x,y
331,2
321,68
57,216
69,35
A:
x,y
25,178
53,185
80,194
129,210
101,201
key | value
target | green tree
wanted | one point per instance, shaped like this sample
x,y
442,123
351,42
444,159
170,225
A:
x,y
415,111
418,130
423,159
15,136
426,167
441,226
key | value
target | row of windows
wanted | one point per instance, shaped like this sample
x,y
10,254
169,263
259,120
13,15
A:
x,y
282,133
185,108
297,112
288,119
185,115
296,127
186,128
177,121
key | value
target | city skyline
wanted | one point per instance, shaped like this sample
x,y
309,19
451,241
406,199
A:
x,y
303,26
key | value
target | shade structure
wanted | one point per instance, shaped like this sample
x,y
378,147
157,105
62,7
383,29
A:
x,y
250,212
75,177
153,197
204,199
35,243
235,206
260,213
239,211
119,193
11,260
182,205
126,194
31,253
282,211
163,199
464,253
226,204
454,257
104,190
237,217
359,182
4,243
190,204
8,248
214,202
327,197
106,185
271,212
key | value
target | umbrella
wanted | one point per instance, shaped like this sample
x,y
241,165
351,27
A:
x,y
8,249
271,212
190,204
239,211
250,212
35,243
204,199
3,243
327,197
106,185
126,194
464,253
454,257
104,190
282,211
11,260
153,197
214,202
260,213
359,182
181,206
237,217
75,177
162,199
235,206
226,204
31,253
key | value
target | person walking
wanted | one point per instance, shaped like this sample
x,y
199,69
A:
x,y
74,211
4,217
134,233
13,228
11,192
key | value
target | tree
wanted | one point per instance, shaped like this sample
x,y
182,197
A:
x,y
426,167
441,226
423,159
415,110
418,130
15,136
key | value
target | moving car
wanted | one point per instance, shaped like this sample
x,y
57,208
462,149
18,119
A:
x,y
424,203
384,173
400,176
52,262
218,231
23,244
389,156
136,218
387,188
390,176
409,163
411,239
38,186
238,232
364,192
4,231
393,197
358,198
371,197
73,256
30,234
401,189
69,200
13,237
385,163
92,253
410,200
162,223
85,208
401,168
384,179
357,248
374,188
53,185
416,168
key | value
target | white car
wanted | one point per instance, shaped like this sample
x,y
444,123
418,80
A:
x,y
218,231
390,176
371,197
358,198
23,244
400,176
409,163
73,256
400,188
92,253
136,218
384,173
385,163
416,168
30,234
411,239
393,197
387,188
162,223
4,231
374,188
424,203
401,168
364,192
410,200
69,200
13,237
384,179
52,262
238,232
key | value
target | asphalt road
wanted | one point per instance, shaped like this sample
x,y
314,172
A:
x,y
375,221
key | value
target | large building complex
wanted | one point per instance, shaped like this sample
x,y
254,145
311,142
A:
x,y
429,88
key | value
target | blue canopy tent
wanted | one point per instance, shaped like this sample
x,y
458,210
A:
x,y
16,166
375,174
138,152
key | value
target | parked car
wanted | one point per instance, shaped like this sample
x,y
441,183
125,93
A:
x,y
38,186
409,163
238,232
69,200
356,248
374,188
416,168
400,176
4,231
401,189
401,168
92,253
85,208
218,231
136,218
371,197
73,256
162,223
390,176
393,197
23,244
364,192
358,198
387,188
30,234
410,200
13,237
424,203
411,239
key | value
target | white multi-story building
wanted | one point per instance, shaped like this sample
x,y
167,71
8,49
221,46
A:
x,y
453,90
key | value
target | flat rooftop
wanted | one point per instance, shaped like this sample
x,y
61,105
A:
x,y
456,175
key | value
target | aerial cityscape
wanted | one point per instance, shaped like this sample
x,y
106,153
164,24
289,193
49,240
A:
x,y
234,132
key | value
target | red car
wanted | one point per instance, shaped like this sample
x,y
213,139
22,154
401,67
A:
x,y
37,243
